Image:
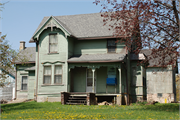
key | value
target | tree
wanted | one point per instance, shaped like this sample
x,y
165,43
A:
x,y
153,23
8,56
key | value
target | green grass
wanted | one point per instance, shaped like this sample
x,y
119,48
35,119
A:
x,y
46,110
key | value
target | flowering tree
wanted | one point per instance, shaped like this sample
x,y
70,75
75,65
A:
x,y
152,24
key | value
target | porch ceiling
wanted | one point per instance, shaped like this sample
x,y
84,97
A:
x,y
97,58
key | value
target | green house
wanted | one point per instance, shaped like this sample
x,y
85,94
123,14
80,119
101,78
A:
x,y
78,54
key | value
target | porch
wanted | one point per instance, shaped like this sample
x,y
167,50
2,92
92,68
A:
x,y
105,80
75,98
93,78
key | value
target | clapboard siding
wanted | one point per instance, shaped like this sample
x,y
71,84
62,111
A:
x,y
46,58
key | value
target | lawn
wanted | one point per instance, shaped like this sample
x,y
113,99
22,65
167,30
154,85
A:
x,y
46,110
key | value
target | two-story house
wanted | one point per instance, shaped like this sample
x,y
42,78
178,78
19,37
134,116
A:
x,y
78,54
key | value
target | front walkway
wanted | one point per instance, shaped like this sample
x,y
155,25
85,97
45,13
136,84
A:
x,y
17,101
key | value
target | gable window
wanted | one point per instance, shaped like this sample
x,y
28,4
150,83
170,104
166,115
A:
x,y
58,74
24,83
53,43
47,75
111,45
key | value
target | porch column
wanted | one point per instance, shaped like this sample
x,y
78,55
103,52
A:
x,y
93,70
69,82
120,82
119,97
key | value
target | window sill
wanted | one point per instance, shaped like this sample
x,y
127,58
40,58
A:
x,y
53,53
53,85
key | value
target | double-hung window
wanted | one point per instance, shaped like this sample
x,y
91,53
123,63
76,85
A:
x,y
58,74
111,45
47,75
24,83
53,43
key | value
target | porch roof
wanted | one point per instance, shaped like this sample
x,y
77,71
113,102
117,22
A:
x,y
90,58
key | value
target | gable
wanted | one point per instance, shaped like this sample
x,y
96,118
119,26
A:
x,y
50,22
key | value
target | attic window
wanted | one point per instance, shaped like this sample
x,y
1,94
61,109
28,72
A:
x,y
111,45
53,43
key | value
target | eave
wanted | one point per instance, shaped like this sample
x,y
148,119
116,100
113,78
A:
x,y
25,62
107,61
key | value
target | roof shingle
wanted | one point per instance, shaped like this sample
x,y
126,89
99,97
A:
x,y
98,58
28,54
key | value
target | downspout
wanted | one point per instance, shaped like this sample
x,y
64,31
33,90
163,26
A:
x,y
125,66
37,63
16,84
127,86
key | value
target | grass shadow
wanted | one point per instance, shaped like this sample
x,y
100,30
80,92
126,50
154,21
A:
x,y
20,106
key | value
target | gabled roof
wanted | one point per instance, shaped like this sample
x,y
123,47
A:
x,y
29,54
82,25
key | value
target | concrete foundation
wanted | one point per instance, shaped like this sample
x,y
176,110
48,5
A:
x,y
119,100
161,97
48,99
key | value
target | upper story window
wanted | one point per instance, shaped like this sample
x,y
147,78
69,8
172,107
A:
x,y
47,75
53,43
24,83
111,45
58,74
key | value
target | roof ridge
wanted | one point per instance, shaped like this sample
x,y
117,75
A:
x,y
75,14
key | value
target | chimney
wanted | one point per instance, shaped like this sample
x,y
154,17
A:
x,y
22,45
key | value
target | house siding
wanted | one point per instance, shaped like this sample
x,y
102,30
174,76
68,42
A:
x,y
160,84
8,92
21,72
79,79
70,47
46,58
137,90
31,85
94,47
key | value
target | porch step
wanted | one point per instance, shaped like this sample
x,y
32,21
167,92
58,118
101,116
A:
x,y
77,100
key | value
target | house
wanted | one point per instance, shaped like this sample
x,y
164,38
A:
x,y
76,54
8,91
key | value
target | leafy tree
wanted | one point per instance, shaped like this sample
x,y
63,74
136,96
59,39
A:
x,y
8,56
154,24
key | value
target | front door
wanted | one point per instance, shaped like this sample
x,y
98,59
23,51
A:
x,y
89,81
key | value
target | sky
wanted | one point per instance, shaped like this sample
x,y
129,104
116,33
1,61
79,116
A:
x,y
20,18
